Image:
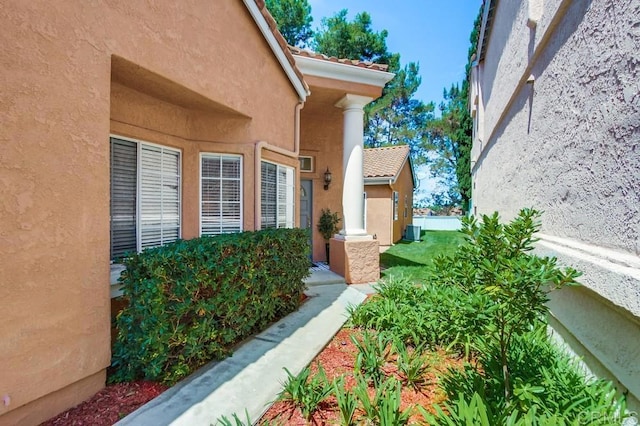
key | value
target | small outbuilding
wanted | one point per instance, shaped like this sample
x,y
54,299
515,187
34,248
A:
x,y
389,182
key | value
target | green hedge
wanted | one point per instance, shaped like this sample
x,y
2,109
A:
x,y
192,300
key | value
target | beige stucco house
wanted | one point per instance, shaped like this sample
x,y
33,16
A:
x,y
555,97
389,182
128,125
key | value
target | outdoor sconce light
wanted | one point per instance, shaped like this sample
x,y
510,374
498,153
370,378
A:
x,y
327,179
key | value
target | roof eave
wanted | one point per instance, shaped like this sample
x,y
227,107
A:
x,y
379,180
345,72
485,28
298,84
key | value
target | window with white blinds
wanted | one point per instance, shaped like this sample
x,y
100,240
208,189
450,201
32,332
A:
x,y
124,178
221,194
145,196
277,194
396,200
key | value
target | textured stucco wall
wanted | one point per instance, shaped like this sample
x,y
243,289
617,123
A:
x,y
182,74
404,186
380,219
321,138
568,144
380,213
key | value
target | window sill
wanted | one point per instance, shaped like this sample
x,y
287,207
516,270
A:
x,y
116,287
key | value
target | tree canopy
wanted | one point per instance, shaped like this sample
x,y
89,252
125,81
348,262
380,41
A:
x,y
294,20
450,136
398,118
442,143
354,40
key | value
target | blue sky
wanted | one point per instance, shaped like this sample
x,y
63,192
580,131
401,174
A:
x,y
434,33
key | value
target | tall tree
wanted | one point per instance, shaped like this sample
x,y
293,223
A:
x,y
396,117
294,20
450,136
354,40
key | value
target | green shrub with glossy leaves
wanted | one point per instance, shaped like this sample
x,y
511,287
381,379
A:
x,y
496,263
547,384
192,300
426,315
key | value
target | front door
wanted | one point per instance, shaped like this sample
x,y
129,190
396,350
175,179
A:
x,y
306,198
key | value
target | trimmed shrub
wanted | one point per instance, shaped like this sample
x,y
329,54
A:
x,y
192,300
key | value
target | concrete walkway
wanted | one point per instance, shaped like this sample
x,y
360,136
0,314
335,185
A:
x,y
253,376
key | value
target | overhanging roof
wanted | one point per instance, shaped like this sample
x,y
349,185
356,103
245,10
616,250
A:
x,y
352,71
278,45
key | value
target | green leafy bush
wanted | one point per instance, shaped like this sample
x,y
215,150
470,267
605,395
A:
x,y
373,352
192,300
546,382
496,264
306,391
424,315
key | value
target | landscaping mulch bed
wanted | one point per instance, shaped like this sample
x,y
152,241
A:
x,y
109,405
338,359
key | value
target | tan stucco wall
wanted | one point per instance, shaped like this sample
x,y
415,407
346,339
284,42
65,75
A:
x,y
180,74
568,145
356,260
380,219
380,213
321,138
404,186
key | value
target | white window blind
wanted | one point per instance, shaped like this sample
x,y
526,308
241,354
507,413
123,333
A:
x,y
159,196
145,196
277,193
124,161
221,194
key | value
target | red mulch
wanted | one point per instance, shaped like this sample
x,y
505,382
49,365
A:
x,y
109,405
338,359
113,402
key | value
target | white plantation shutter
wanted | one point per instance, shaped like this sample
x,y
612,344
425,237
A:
x,y
159,173
124,160
269,193
278,191
221,194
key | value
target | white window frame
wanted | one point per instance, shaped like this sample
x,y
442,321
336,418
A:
x,y
292,213
241,179
364,209
139,143
313,164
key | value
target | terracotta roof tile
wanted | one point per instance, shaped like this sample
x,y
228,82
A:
x,y
384,162
362,64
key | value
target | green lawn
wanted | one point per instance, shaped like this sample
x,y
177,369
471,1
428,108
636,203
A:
x,y
410,258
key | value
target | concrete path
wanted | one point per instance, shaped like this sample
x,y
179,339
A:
x,y
253,376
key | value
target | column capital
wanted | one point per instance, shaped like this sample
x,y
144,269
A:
x,y
350,101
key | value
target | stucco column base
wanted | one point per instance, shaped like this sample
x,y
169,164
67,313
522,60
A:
x,y
42,409
357,260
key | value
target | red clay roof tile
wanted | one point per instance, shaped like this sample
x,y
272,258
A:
x,y
362,64
384,162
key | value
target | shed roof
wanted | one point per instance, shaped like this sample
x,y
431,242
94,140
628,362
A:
x,y
386,162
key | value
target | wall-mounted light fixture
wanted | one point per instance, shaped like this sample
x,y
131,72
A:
x,y
327,179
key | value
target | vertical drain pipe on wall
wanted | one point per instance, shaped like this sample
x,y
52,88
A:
x,y
257,220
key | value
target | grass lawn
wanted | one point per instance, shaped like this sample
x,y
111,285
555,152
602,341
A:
x,y
408,259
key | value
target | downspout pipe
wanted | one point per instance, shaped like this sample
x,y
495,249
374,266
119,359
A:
x,y
259,146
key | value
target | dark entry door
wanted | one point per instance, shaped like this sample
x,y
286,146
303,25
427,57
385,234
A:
x,y
306,203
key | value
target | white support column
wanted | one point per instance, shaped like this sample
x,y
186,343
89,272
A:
x,y
352,163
